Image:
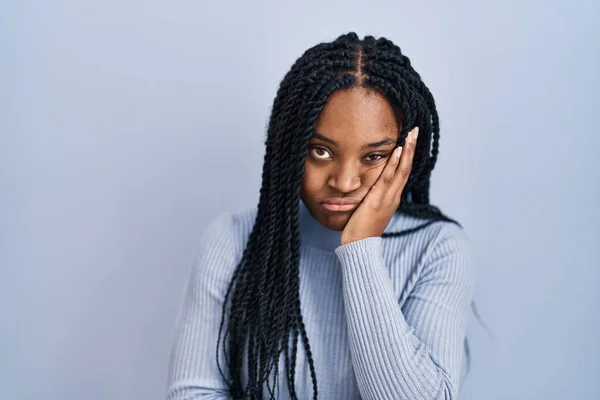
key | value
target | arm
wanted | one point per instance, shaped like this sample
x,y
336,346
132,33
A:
x,y
193,372
414,353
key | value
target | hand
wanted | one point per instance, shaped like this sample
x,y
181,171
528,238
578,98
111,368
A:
x,y
374,213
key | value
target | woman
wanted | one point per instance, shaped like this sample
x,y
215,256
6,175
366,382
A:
x,y
345,282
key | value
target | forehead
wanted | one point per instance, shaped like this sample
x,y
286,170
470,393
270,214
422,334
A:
x,y
357,115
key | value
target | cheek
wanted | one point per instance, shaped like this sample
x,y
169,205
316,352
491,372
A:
x,y
370,176
314,178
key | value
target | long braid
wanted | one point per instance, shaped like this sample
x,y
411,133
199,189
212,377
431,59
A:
x,y
263,297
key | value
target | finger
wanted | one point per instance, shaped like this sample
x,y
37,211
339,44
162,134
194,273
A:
x,y
405,164
386,177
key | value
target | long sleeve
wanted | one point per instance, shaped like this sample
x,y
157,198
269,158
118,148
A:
x,y
415,352
193,373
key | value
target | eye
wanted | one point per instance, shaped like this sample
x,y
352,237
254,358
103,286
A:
x,y
319,152
377,157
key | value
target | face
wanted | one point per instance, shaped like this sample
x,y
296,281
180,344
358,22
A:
x,y
355,135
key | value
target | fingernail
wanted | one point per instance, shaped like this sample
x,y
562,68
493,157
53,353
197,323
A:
x,y
398,152
413,135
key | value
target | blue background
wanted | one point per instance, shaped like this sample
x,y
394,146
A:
x,y
125,126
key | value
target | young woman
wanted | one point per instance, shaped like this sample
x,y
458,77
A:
x,y
345,282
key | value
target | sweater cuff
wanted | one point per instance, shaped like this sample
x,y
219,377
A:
x,y
363,251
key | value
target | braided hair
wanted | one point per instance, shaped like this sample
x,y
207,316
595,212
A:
x,y
262,302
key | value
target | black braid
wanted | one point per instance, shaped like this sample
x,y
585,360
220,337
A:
x,y
261,314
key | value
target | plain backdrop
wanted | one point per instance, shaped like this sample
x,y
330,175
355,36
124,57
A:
x,y
125,126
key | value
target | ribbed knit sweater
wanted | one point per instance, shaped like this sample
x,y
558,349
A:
x,y
385,317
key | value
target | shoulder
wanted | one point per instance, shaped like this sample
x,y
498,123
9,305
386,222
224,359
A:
x,y
239,220
223,240
229,228
438,248
432,235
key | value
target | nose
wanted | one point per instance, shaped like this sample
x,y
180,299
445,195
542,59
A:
x,y
345,179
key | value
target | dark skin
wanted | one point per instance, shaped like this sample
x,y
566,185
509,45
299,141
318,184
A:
x,y
352,159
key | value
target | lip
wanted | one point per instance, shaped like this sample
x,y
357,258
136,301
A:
x,y
339,205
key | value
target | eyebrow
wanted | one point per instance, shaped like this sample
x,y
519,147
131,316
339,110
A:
x,y
383,142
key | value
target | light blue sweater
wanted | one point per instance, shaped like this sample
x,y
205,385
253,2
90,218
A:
x,y
385,317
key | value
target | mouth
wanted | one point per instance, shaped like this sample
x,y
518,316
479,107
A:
x,y
339,207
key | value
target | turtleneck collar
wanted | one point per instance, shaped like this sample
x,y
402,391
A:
x,y
314,233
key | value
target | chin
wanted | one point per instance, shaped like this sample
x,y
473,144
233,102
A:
x,y
336,223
